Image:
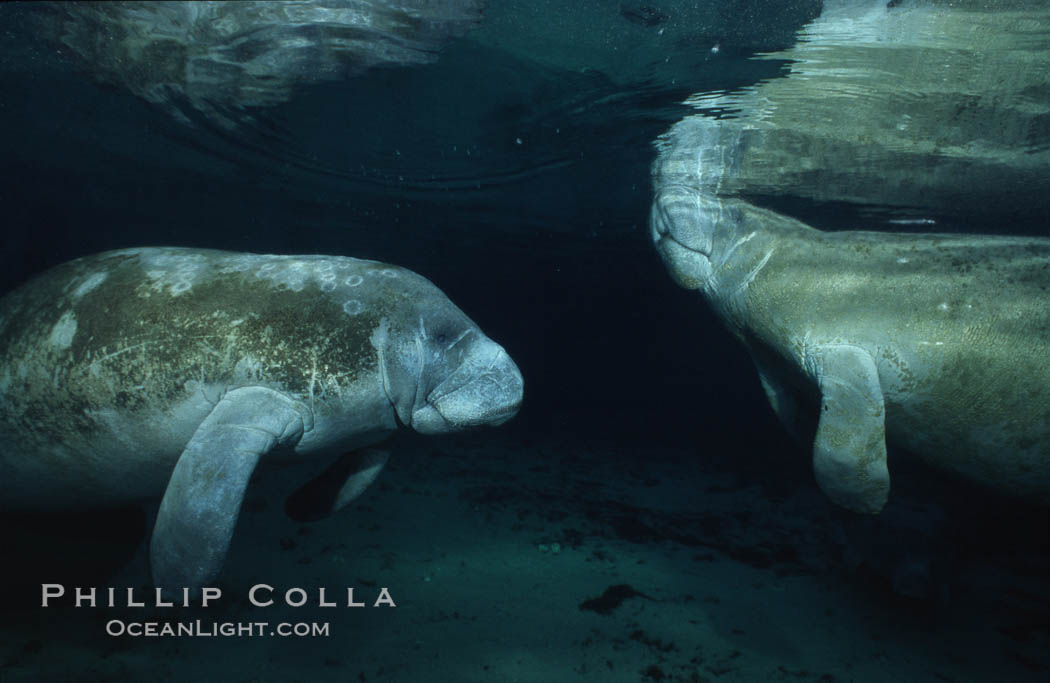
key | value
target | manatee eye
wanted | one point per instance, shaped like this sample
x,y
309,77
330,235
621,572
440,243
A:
x,y
446,335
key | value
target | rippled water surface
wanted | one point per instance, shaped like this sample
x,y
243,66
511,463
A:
x,y
522,129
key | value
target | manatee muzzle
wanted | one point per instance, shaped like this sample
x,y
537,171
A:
x,y
486,389
684,215
681,227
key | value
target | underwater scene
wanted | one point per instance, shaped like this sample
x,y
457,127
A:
x,y
525,340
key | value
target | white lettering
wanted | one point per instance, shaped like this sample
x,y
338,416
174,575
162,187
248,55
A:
x,y
85,597
47,591
131,600
384,598
298,591
259,586
208,594
159,602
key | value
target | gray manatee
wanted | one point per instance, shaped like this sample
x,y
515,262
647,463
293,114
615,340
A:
x,y
220,57
141,373
937,343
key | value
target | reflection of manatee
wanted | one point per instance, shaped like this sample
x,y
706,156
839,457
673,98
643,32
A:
x,y
221,56
935,107
937,343
142,372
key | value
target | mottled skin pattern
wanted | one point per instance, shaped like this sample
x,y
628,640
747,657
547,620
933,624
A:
x,y
109,364
955,330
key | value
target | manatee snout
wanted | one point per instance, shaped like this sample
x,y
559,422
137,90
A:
x,y
683,215
681,226
486,389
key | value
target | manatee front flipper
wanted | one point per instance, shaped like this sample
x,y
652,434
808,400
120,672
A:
x,y
203,498
849,453
342,482
781,399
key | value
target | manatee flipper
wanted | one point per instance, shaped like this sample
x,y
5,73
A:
x,y
368,464
203,498
336,487
781,398
849,453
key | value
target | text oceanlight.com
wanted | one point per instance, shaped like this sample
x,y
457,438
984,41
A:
x,y
228,629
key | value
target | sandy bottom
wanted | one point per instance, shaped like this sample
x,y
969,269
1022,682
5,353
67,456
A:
x,y
569,561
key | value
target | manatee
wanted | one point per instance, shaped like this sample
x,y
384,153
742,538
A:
x,y
937,343
170,372
219,58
